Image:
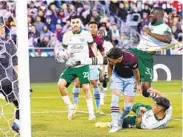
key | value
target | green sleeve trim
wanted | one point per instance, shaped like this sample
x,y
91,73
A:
x,y
90,43
65,46
167,31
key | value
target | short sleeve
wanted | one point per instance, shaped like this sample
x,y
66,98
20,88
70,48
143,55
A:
x,y
134,63
64,40
167,30
89,38
100,45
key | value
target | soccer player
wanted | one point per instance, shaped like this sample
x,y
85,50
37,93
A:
x,y
8,77
77,41
94,72
147,117
125,78
156,36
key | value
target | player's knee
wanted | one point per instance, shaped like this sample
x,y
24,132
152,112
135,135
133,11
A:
x,y
85,87
77,83
145,93
128,106
62,84
94,83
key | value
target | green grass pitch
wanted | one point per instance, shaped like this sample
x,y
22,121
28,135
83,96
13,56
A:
x,y
49,114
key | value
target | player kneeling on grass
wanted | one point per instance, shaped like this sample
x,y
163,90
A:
x,y
147,117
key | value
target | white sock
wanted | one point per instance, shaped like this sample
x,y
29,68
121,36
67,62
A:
x,y
17,121
67,101
90,106
102,95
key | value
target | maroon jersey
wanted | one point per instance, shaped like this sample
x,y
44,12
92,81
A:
x,y
99,43
125,68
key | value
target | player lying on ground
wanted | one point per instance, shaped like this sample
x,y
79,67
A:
x,y
146,117
76,41
94,72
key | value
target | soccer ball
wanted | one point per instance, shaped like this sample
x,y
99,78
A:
x,y
62,56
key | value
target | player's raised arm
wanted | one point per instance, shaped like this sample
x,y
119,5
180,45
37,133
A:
x,y
164,38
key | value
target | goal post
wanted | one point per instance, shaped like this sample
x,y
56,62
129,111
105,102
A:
x,y
23,68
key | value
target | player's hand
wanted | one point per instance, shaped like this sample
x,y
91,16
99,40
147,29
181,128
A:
x,y
102,74
139,89
147,31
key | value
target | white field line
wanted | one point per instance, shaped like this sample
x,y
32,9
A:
x,y
58,97
79,111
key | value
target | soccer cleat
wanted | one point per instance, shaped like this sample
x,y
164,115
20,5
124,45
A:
x,y
75,108
70,112
99,111
92,117
109,124
120,123
15,127
114,129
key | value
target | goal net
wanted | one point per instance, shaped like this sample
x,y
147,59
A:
x,y
14,86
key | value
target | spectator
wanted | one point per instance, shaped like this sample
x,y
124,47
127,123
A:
x,y
122,13
85,13
45,32
54,42
53,16
145,20
34,32
48,23
107,31
96,16
41,15
113,7
58,32
39,25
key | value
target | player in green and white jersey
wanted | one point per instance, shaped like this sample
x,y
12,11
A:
x,y
147,117
156,36
154,118
76,42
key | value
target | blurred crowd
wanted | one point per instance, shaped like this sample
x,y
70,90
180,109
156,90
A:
x,y
48,20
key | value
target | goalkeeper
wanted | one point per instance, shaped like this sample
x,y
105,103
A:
x,y
8,77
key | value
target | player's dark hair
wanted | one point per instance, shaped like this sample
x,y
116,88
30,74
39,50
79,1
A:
x,y
74,17
160,10
162,101
115,53
92,22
